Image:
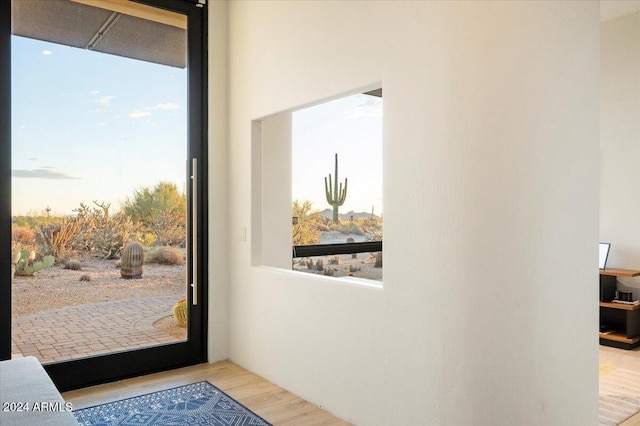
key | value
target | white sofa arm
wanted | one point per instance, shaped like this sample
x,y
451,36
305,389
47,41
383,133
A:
x,y
29,397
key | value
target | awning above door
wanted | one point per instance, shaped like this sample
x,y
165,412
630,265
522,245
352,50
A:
x,y
117,27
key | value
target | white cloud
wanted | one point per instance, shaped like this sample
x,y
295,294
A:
x,y
137,113
42,173
47,52
102,123
368,109
94,92
104,100
166,106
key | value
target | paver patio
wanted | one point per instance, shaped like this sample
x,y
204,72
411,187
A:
x,y
91,329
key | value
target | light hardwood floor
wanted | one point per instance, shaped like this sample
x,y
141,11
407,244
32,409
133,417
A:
x,y
621,358
633,421
267,400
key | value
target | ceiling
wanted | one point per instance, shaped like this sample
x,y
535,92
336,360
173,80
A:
x,y
612,9
124,28
116,27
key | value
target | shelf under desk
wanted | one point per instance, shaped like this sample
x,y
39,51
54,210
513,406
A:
x,y
623,319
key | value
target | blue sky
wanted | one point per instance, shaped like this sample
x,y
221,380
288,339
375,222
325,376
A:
x,y
352,128
91,126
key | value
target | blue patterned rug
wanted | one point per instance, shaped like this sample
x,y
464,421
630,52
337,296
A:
x,y
196,404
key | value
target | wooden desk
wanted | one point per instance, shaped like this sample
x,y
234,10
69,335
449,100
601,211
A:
x,y
608,281
620,272
623,320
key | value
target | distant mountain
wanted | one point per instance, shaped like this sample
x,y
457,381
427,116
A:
x,y
328,213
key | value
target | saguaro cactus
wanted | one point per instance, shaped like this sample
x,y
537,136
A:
x,y
337,194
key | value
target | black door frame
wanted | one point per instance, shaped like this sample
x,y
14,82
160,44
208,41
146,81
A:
x,y
84,372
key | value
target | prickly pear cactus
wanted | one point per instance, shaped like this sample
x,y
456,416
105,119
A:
x,y
180,312
27,266
132,259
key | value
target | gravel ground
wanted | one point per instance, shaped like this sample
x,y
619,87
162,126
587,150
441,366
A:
x,y
57,287
364,261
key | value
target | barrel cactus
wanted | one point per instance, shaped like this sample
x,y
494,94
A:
x,y
73,264
180,312
131,260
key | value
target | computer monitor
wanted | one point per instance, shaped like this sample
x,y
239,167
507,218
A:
x,y
604,254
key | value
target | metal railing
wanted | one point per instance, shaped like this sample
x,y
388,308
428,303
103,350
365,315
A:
x,y
332,249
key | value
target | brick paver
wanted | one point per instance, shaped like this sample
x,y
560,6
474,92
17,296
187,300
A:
x,y
92,329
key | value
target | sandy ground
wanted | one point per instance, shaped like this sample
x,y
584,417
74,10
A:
x,y
56,287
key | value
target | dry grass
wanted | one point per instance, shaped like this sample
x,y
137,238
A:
x,y
165,256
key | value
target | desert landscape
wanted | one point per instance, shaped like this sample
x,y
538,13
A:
x,y
70,297
57,287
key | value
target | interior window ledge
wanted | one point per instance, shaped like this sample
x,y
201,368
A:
x,y
351,281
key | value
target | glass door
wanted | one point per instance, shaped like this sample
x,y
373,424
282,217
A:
x,y
107,186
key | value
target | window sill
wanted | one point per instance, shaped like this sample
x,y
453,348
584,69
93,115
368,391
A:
x,y
349,281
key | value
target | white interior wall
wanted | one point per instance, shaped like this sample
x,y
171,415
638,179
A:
x,y
620,144
490,160
274,187
218,341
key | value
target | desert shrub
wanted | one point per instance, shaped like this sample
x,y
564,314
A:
x,y
165,256
372,228
85,277
356,230
87,219
375,235
306,231
148,239
161,210
323,227
58,239
348,228
112,234
23,236
334,260
168,229
33,219
103,233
